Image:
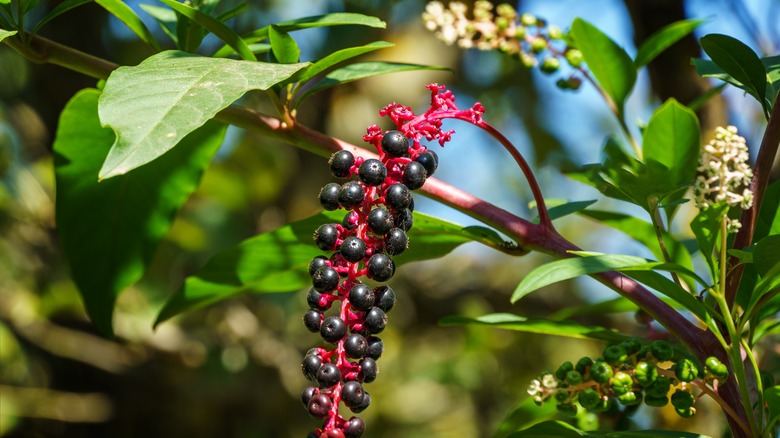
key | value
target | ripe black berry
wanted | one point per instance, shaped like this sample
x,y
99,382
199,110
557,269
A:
x,y
315,301
404,219
414,175
352,393
361,297
354,428
368,370
312,319
398,197
351,194
355,345
375,321
308,393
396,241
380,221
325,237
385,298
329,196
340,164
380,267
317,263
375,347
328,375
319,406
350,220
325,279
429,160
395,144
333,329
372,172
362,406
353,249
310,365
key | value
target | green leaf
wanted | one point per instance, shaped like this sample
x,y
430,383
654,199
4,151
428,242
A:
x,y
556,429
672,139
615,305
525,415
772,399
126,15
510,321
59,10
338,57
663,39
283,46
153,105
166,18
6,33
557,211
610,64
706,228
766,254
768,222
218,28
109,230
277,261
233,12
740,62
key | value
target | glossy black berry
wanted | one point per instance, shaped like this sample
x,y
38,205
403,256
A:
x,y
372,172
429,160
368,370
317,263
385,298
328,375
380,267
362,406
314,300
308,393
396,241
319,406
355,345
414,175
310,365
340,164
361,297
352,393
333,329
404,219
326,236
395,144
380,221
325,279
375,321
398,197
375,347
329,196
350,220
312,319
351,194
353,249
354,428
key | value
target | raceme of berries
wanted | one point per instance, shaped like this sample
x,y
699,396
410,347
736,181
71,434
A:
x,y
376,197
630,373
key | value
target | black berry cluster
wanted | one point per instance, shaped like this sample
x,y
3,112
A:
x,y
378,206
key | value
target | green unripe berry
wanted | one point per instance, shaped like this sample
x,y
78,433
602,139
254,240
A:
x,y
615,355
603,405
685,413
622,383
632,346
562,396
630,398
589,398
573,377
567,408
550,65
506,10
583,364
527,60
520,32
716,367
656,402
538,45
682,399
554,32
686,370
528,19
565,367
659,388
574,57
643,352
662,350
601,372
645,373
502,23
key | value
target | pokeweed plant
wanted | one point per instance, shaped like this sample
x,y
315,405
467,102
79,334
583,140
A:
x,y
157,124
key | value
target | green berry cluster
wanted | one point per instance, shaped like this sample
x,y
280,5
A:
x,y
631,372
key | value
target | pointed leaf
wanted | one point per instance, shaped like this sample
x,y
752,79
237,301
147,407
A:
x,y
283,46
560,429
155,104
559,210
109,230
338,57
509,321
525,415
706,228
126,15
663,39
672,139
59,10
766,254
6,33
166,18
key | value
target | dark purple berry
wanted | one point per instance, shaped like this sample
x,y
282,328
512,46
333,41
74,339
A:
x,y
355,345
375,321
362,406
329,196
328,375
396,241
354,428
317,263
380,267
429,160
398,197
310,365
395,144
319,406
375,347
353,249
372,172
414,175
351,194
350,220
404,219
325,237
308,393
333,329
315,301
380,221
312,319
325,279
341,163
352,393
385,298
361,297
368,370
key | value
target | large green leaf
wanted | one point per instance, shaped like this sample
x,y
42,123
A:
x,y
153,105
277,261
109,230
672,139
340,56
126,15
663,39
560,429
510,321
6,33
610,64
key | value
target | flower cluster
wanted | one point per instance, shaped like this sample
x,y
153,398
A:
x,y
724,173
361,248
525,36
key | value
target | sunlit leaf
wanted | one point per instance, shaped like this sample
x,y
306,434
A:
x,y
706,228
509,321
338,57
166,18
6,33
559,210
283,46
663,39
672,139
